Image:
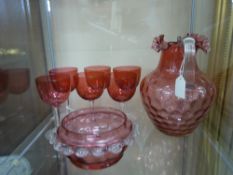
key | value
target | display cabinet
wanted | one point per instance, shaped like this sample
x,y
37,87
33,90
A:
x,y
39,35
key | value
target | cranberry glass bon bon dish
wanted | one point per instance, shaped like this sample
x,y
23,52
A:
x,y
93,139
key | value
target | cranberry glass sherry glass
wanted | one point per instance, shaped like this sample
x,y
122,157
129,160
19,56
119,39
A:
x,y
71,71
124,81
97,77
54,90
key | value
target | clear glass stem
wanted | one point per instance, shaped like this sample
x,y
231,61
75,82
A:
x,y
92,105
92,110
68,110
122,105
57,117
68,105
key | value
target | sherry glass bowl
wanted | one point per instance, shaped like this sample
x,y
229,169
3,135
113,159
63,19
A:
x,y
72,71
54,90
118,94
84,90
127,77
94,76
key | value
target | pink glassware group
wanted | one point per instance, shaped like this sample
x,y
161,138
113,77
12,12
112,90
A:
x,y
93,138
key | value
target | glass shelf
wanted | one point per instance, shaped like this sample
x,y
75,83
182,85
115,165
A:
x,y
160,154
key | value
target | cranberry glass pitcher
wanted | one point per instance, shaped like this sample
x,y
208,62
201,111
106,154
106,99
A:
x,y
176,95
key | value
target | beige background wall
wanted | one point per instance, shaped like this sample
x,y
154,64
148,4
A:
x,y
115,32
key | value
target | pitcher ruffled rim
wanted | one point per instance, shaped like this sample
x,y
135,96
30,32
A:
x,y
202,42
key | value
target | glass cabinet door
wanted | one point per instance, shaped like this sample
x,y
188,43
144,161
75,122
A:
x,y
22,58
